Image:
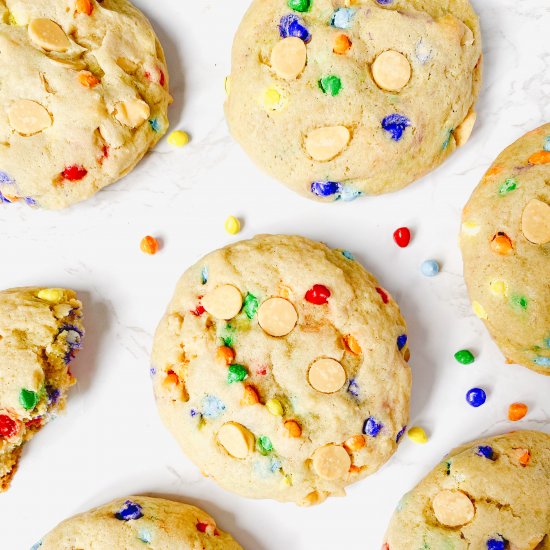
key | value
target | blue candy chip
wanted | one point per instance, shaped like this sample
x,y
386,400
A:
x,y
129,511
429,268
204,275
291,25
212,407
385,2
542,361
485,451
326,188
36,546
30,201
349,193
155,125
372,427
4,200
353,388
145,536
395,125
400,434
401,341
496,544
152,371
342,18
6,179
476,397
348,255
547,143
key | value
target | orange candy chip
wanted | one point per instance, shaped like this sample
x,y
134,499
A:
x,y
517,411
84,6
542,157
250,396
226,354
293,428
171,379
354,443
501,244
352,344
87,79
342,44
149,245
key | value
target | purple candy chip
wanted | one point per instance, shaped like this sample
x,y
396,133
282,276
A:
x,y
326,188
291,25
129,511
395,125
372,427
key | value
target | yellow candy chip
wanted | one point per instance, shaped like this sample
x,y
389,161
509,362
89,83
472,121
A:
x,y
287,481
54,295
418,435
275,407
272,100
499,288
232,225
178,138
227,85
470,228
479,310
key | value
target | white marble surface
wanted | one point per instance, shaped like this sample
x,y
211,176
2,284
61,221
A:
x,y
111,442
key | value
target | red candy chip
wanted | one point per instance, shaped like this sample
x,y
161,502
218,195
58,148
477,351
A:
x,y
202,527
8,426
383,295
162,78
74,173
34,423
198,311
318,295
402,237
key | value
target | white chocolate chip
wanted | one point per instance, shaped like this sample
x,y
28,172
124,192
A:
x,y
224,302
327,143
535,222
463,132
236,439
288,58
453,508
391,71
132,113
28,117
326,375
48,35
277,316
331,462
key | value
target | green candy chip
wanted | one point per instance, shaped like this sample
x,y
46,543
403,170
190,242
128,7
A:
x,y
250,305
299,5
511,184
236,373
264,445
28,399
465,357
330,85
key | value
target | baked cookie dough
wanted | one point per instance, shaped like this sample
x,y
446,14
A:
x,y
492,494
505,244
281,369
84,96
135,523
342,98
40,332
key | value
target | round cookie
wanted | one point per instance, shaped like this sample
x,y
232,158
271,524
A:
x,y
505,244
492,494
84,96
280,367
339,99
40,333
137,522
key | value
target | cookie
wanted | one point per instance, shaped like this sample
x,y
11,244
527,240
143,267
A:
x,y
40,333
340,98
492,494
505,242
84,94
135,523
280,367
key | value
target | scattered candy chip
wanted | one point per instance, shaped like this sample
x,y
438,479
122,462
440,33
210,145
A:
x,y
275,407
535,222
355,443
501,244
8,426
232,225
326,375
149,245
542,157
250,396
499,288
48,35
178,138
330,85
342,44
293,428
496,544
299,5
28,117
342,18
479,310
84,6
331,462
28,399
318,295
352,344
517,411
129,511
521,456
476,397
470,228
464,357
225,354
402,237
236,440
391,71
453,508
53,295
418,435
486,451
288,58
236,373
395,124
132,113
224,302
277,316
429,268
372,427
87,79
327,143
273,99
463,132
291,25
